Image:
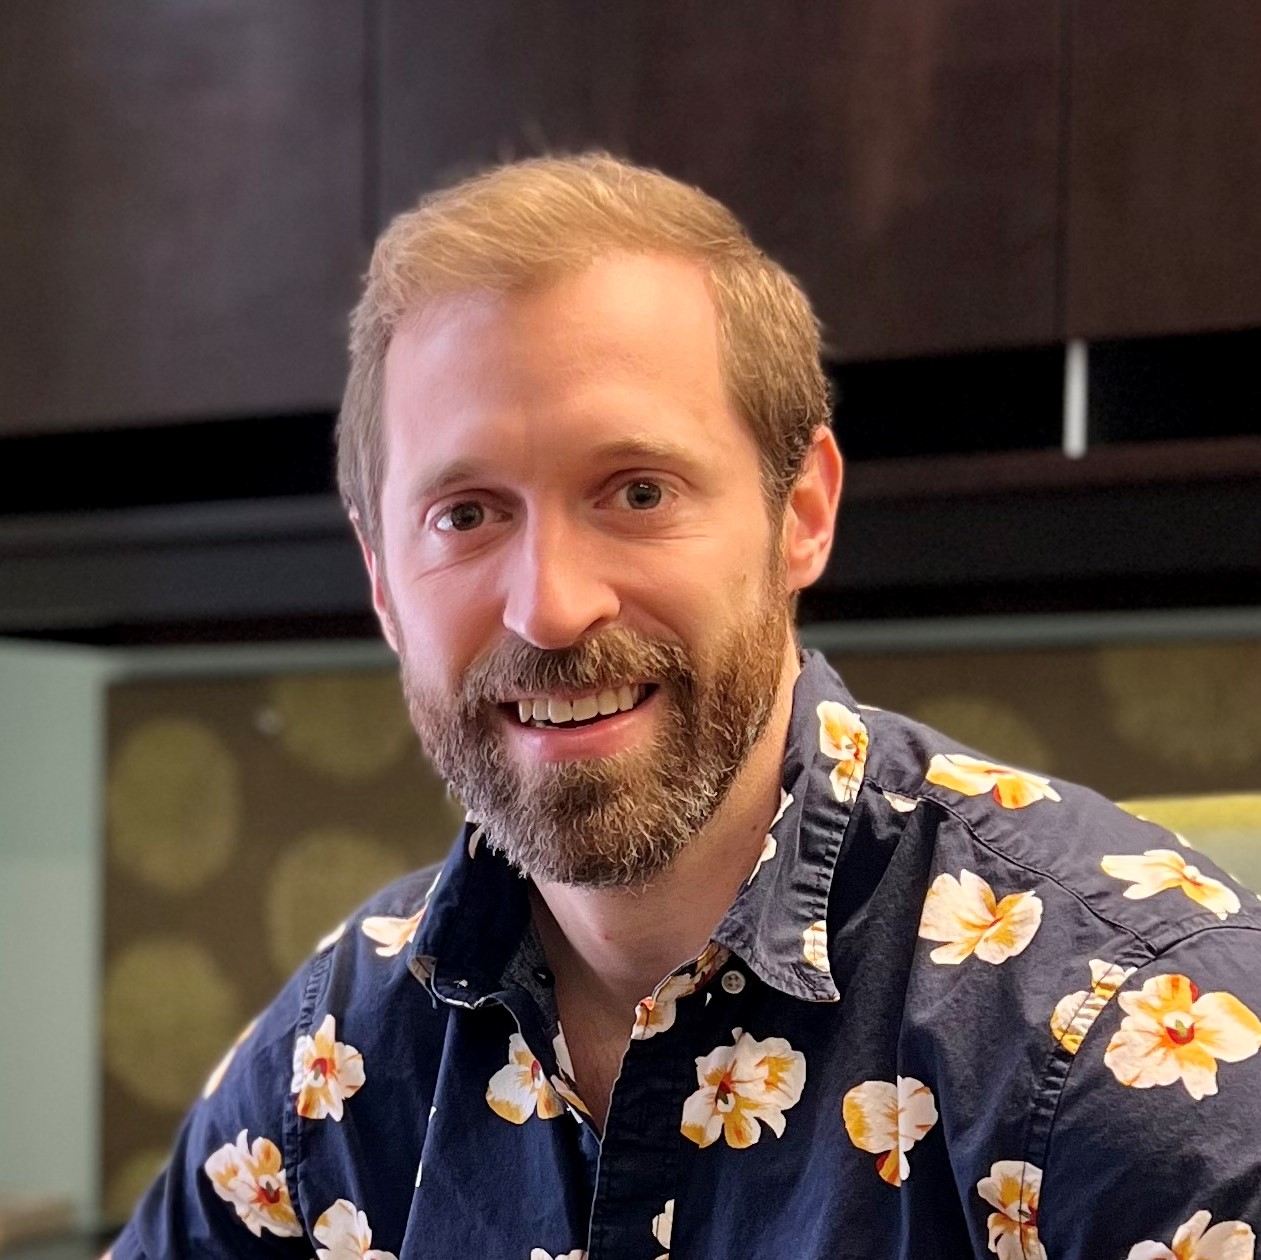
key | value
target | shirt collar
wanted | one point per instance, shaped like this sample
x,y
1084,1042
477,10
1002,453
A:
x,y
777,924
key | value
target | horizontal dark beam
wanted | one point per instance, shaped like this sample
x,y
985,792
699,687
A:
x,y
933,537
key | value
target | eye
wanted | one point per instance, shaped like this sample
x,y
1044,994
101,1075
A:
x,y
643,495
460,518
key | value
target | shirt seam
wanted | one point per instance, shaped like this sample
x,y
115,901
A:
x,y
292,1129
1049,1095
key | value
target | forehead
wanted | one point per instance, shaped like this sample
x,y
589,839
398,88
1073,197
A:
x,y
629,333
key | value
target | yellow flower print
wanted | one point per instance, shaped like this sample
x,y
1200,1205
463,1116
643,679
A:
x,y
220,1069
251,1179
814,945
391,934
538,1253
663,1227
888,1120
520,1090
843,737
1075,1013
1013,1187
741,1084
343,1230
325,1072
963,913
563,1084
656,1013
1012,789
1172,1032
903,804
1158,869
1194,1240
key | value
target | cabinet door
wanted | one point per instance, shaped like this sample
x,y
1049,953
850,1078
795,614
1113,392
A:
x,y
1164,227
900,159
181,208
464,85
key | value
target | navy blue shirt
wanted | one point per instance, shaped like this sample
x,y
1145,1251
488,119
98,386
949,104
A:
x,y
956,1010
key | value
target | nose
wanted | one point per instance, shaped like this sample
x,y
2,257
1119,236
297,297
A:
x,y
556,591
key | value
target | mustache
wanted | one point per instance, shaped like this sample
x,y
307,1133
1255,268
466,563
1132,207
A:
x,y
612,657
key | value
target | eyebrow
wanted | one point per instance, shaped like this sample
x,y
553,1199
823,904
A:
x,y
647,450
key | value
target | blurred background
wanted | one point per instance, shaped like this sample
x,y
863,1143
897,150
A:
x,y
1032,231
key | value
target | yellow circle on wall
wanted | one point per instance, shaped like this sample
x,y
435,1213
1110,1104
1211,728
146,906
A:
x,y
1196,706
317,881
349,726
174,804
169,1014
993,728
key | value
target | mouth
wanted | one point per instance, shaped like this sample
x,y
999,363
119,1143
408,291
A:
x,y
572,712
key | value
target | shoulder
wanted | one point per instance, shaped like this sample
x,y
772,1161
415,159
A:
x,y
1140,885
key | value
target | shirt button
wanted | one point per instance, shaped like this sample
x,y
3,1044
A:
x,y
733,982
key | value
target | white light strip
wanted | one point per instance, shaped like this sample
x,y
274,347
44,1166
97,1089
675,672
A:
x,y
1075,411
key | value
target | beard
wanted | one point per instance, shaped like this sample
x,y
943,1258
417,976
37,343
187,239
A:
x,y
613,821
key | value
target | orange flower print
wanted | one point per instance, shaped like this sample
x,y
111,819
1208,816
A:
x,y
814,945
888,1120
391,934
903,804
655,1014
1013,1187
1159,869
251,1179
1012,789
1173,1032
563,1084
663,1227
963,913
843,737
741,1084
1194,1240
221,1068
521,1089
325,1072
343,1230
1076,1013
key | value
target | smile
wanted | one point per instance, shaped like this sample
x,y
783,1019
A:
x,y
548,712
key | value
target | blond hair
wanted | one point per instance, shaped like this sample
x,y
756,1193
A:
x,y
518,226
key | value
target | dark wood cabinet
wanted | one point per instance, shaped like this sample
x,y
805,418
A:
x,y
181,207
462,86
900,159
1164,205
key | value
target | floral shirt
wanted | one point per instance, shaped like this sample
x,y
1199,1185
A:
x,y
956,1010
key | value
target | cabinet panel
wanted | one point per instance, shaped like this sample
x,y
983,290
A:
x,y
900,159
463,86
181,219
1164,231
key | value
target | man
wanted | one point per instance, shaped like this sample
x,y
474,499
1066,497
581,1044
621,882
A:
x,y
722,964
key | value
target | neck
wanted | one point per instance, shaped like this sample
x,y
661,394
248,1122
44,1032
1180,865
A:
x,y
614,946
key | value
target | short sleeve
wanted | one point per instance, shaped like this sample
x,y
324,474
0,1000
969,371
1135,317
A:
x,y
1155,1148
228,1189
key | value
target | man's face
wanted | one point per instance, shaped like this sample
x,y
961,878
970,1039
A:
x,y
577,567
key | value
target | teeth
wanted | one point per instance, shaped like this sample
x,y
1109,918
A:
x,y
583,709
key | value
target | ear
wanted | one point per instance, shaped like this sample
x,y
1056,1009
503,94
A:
x,y
380,592
810,513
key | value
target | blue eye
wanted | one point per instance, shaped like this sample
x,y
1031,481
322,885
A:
x,y
460,518
643,495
